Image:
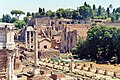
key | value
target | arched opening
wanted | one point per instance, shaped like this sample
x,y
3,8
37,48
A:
x,y
45,46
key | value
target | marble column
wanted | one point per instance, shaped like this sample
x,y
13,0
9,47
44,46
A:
x,y
36,69
36,48
71,65
29,39
9,68
12,65
33,40
26,43
5,36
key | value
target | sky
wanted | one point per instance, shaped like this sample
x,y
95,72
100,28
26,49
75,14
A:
x,y
32,5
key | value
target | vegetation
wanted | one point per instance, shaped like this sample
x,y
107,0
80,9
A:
x,y
84,12
102,44
17,13
18,23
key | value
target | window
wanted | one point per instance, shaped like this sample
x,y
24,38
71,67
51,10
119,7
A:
x,y
45,46
60,23
68,22
52,23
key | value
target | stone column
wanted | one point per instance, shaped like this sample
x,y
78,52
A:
x,y
50,22
33,40
36,48
26,45
36,69
29,39
5,36
12,65
9,68
71,68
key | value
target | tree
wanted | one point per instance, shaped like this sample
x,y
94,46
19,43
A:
x,y
75,14
111,6
113,13
51,14
17,13
28,14
85,11
43,11
6,18
113,18
26,19
0,19
117,15
85,4
40,10
59,12
94,11
116,42
108,12
99,11
94,7
13,20
19,24
101,39
67,13
81,49
3,18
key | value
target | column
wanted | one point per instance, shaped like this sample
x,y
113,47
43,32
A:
x,y
9,68
26,40
4,45
35,48
17,52
72,65
50,22
12,66
36,70
29,39
33,40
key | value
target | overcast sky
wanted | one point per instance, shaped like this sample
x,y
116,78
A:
x,y
32,5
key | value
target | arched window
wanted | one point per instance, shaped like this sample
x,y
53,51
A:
x,y
45,46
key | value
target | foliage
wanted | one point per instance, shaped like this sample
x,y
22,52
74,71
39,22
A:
x,y
26,19
28,14
51,14
108,12
81,49
81,13
116,43
101,37
17,13
99,11
102,44
6,18
113,18
76,15
85,11
13,20
19,24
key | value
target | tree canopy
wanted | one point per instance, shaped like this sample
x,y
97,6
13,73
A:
x,y
17,13
102,44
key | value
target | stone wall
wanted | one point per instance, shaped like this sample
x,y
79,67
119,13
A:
x,y
48,54
3,63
